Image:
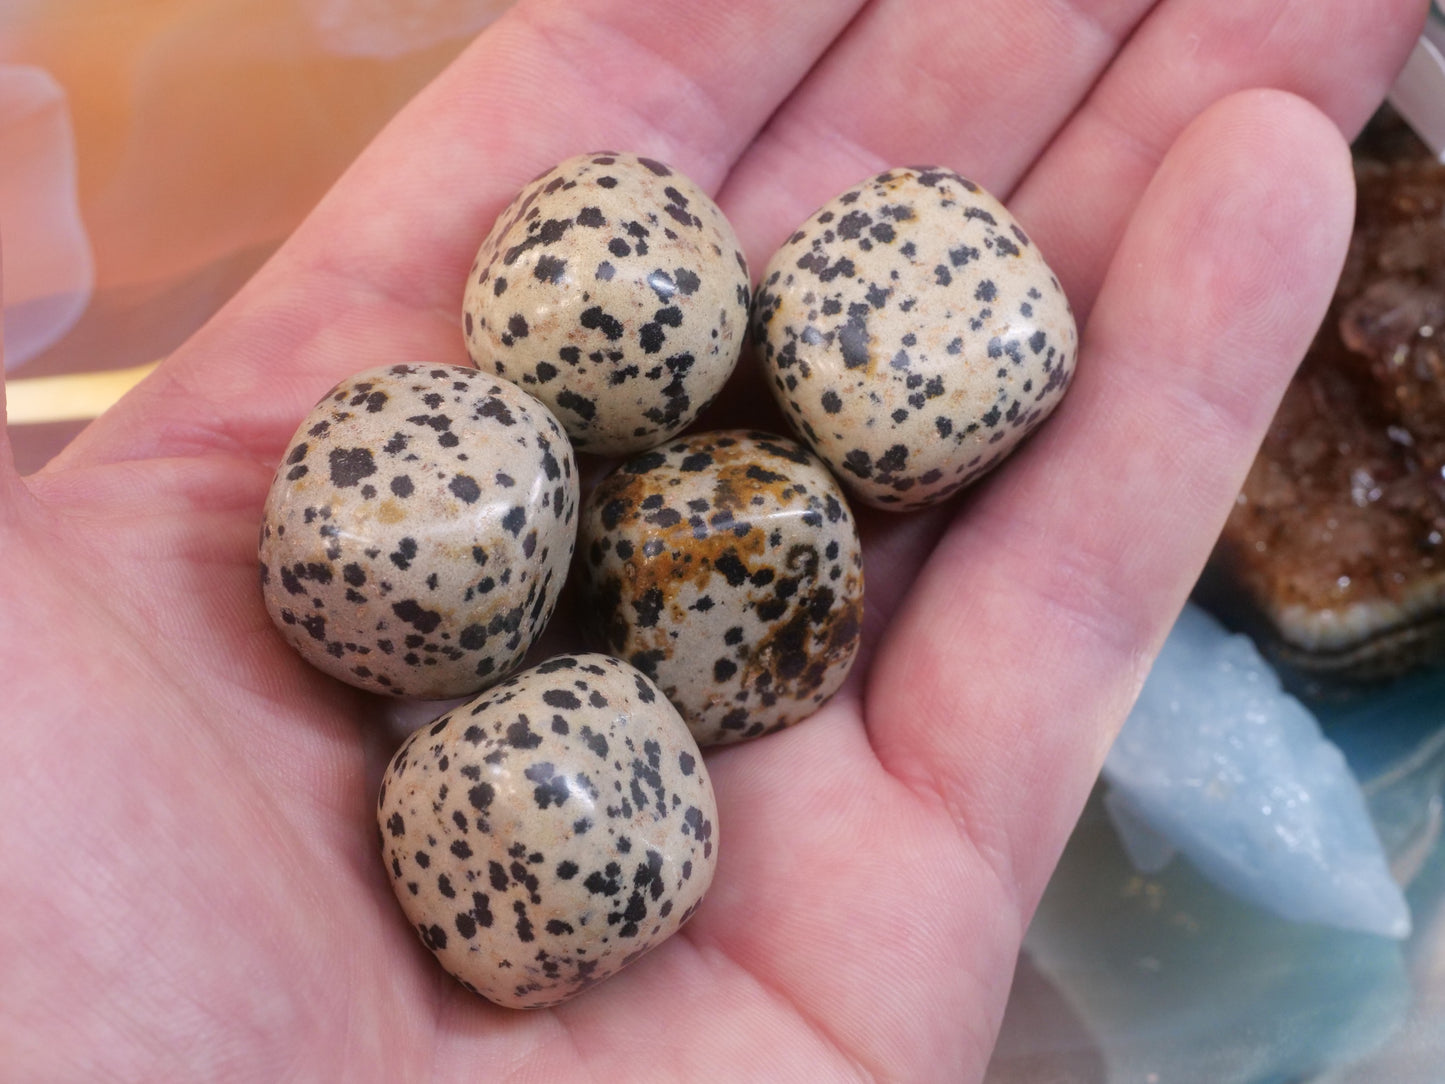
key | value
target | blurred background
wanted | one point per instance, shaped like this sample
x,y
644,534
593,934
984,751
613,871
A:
x,y
154,152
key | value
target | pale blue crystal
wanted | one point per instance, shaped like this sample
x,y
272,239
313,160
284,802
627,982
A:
x,y
1217,762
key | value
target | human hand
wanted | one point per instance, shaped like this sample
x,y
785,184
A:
x,y
191,884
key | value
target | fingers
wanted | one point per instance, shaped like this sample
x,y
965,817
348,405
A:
x,y
987,88
978,87
1013,662
1187,54
376,274
995,90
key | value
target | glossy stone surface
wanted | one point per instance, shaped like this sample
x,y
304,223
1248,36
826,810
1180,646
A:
x,y
548,833
613,289
727,567
913,334
419,529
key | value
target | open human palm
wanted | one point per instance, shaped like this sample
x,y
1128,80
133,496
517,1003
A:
x,y
191,886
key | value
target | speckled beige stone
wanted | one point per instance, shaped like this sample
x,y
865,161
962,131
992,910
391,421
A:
x,y
727,567
548,833
419,529
612,288
914,335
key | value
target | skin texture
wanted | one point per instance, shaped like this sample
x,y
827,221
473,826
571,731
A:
x,y
191,885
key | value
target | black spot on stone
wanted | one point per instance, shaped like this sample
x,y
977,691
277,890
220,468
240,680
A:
x,y
853,339
404,553
580,405
695,462
604,882
350,465
464,487
551,789
852,224
597,320
687,281
732,568
962,254
648,607
893,460
646,662
521,736
494,408
858,462
644,690
643,463
550,269
481,909
524,924
594,741
662,285
561,698
412,612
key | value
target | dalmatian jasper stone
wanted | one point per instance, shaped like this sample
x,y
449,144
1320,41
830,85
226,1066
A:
x,y
612,288
913,335
419,530
548,833
726,566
